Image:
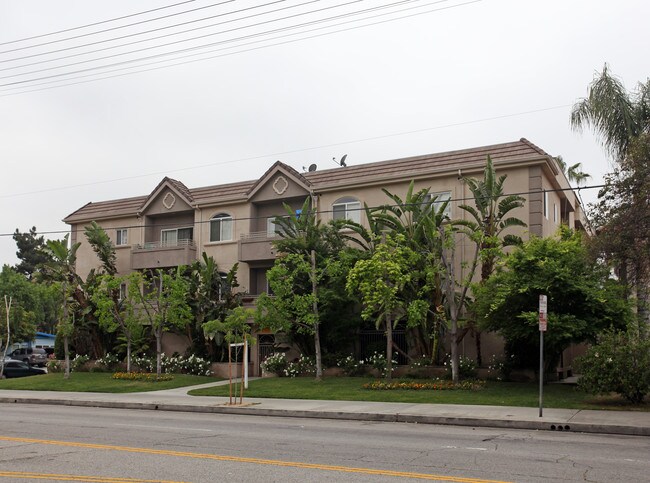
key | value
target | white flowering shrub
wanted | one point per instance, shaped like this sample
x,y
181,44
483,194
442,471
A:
x,y
193,365
276,363
350,365
304,366
466,368
77,364
107,363
378,361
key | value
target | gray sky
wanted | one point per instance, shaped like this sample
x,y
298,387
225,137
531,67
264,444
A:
x,y
470,74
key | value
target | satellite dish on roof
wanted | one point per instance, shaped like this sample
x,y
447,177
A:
x,y
343,160
312,167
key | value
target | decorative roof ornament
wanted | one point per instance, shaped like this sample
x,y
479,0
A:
x,y
280,185
169,200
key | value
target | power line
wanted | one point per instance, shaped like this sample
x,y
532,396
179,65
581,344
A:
x,y
228,54
189,49
250,218
271,155
141,33
117,28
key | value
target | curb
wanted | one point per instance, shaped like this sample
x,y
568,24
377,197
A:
x,y
378,417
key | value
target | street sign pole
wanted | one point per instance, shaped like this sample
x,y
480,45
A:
x,y
542,328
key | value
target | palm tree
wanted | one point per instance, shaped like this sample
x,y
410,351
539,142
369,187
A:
x,y
490,219
616,115
60,268
574,172
619,118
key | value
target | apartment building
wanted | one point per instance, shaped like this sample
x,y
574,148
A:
x,y
174,224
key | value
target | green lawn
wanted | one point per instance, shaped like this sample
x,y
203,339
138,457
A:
x,y
98,382
494,393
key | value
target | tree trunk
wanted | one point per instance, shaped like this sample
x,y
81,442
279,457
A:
x,y
66,364
158,352
314,291
128,353
389,348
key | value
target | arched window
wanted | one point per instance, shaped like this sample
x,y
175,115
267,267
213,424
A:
x,y
347,208
221,227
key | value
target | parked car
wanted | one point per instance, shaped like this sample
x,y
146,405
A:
x,y
14,368
34,357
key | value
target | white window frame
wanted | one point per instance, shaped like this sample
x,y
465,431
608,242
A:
x,y
441,197
555,213
351,209
546,204
123,292
222,218
164,243
121,237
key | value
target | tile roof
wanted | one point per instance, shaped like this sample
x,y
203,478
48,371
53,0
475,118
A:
x,y
383,170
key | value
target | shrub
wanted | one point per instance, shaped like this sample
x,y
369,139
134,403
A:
x,y
79,363
107,363
418,366
174,365
466,368
54,365
378,361
350,365
276,363
620,363
500,369
304,366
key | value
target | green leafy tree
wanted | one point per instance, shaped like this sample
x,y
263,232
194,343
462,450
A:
x,y
162,302
60,269
381,284
117,310
417,217
235,329
307,282
30,252
582,299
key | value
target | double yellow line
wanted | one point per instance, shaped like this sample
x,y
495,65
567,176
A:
x,y
87,479
237,459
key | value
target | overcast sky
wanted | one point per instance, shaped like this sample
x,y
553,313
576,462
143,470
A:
x,y
448,75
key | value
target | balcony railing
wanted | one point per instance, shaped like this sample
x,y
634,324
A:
x,y
165,244
258,235
163,254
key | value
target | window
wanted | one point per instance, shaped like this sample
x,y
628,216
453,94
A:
x,y
176,237
347,209
122,291
224,287
121,237
273,228
440,199
546,204
555,213
221,227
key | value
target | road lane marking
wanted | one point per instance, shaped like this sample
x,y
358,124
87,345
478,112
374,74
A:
x,y
259,461
85,478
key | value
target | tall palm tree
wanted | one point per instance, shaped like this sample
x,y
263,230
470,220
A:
x,y
619,118
574,173
616,115
491,218
60,268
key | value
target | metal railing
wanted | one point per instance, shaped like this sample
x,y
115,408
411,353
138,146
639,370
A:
x,y
166,244
258,235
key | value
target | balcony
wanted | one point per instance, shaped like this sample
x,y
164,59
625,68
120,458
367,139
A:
x,y
163,254
256,246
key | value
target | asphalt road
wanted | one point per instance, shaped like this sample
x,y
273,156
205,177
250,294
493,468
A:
x,y
57,443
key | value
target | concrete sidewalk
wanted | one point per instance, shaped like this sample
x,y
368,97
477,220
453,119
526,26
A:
x,y
608,422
